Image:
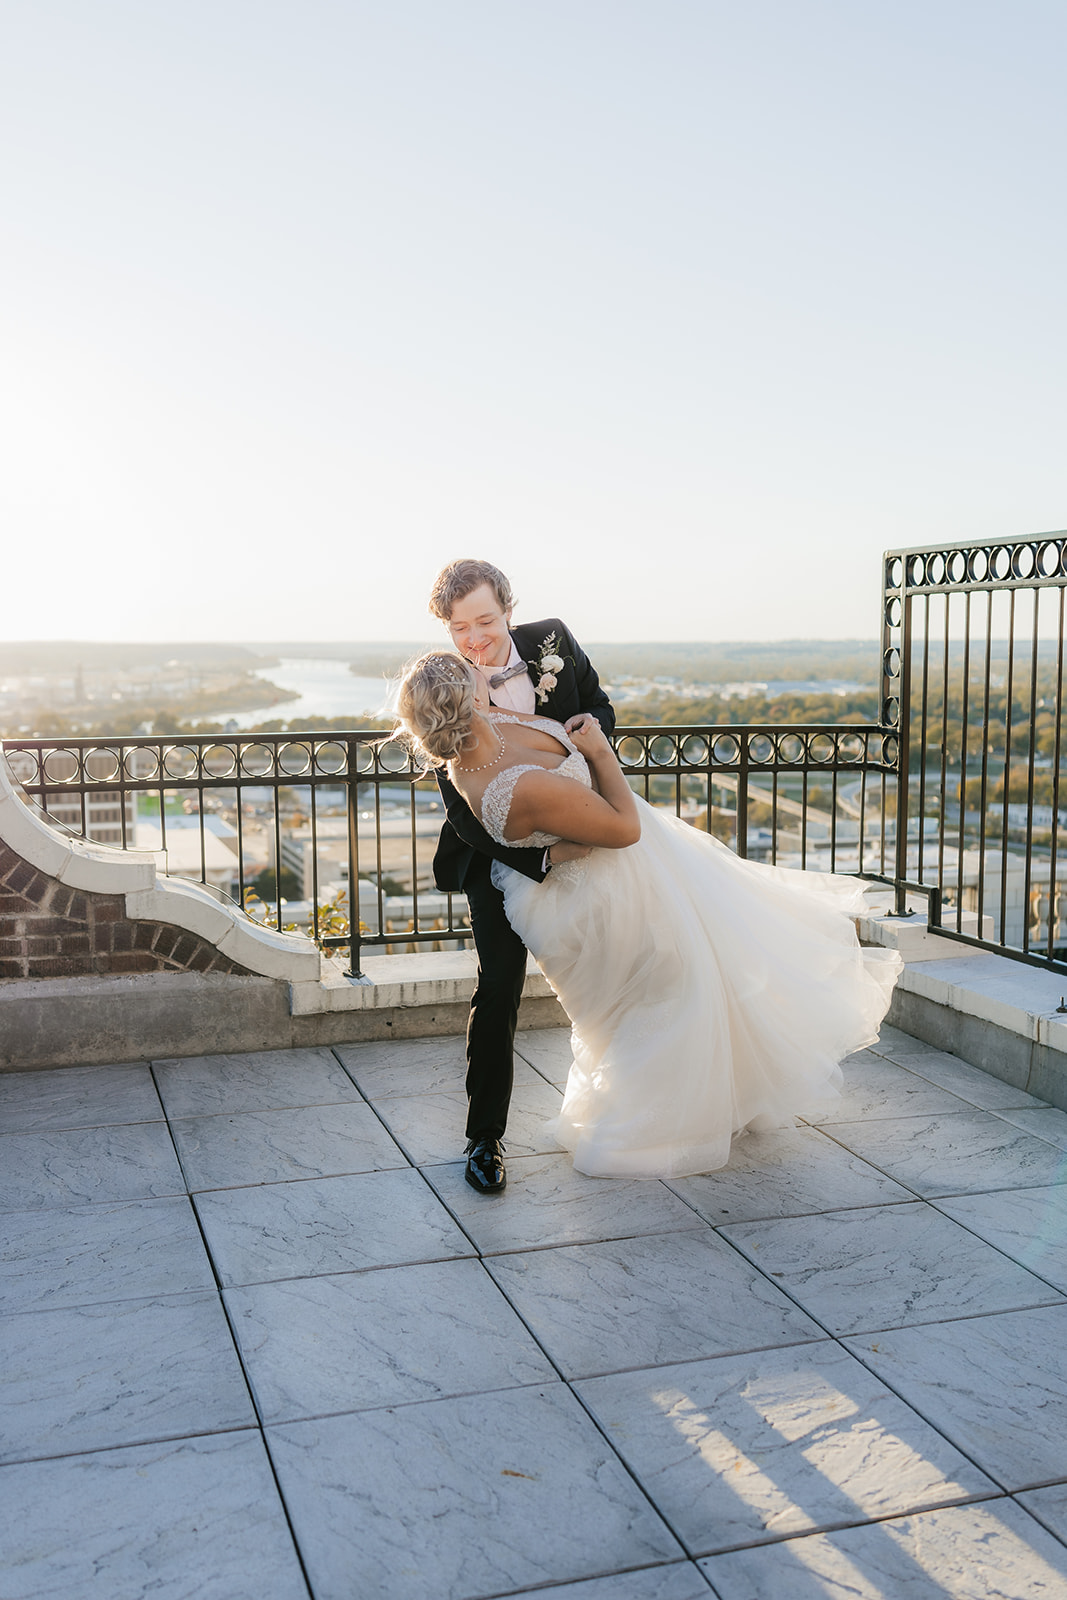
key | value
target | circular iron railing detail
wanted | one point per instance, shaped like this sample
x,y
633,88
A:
x,y
102,765
257,761
631,751
219,761
25,767
331,758
1050,558
725,749
663,750
1023,561
694,750
822,748
1000,564
394,757
180,761
61,766
294,760
761,748
141,764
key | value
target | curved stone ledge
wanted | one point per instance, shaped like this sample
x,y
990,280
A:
x,y
64,893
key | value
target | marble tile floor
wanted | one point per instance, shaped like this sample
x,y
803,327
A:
x,y
259,1339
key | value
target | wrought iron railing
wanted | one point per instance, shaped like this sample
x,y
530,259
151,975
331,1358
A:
x,y
352,809
972,662
954,795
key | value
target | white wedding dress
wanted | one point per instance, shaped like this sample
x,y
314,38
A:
x,y
707,994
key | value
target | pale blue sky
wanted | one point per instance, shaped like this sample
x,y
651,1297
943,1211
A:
x,y
680,310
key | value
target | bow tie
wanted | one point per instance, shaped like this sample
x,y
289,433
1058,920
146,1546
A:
x,y
502,677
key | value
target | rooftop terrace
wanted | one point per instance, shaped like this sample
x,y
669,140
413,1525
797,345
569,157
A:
x,y
260,1339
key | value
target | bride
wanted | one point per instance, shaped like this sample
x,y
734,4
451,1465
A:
x,y
707,994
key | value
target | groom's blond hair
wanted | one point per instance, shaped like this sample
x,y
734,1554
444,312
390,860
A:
x,y
461,578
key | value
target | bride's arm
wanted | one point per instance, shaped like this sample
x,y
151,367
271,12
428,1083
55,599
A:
x,y
545,802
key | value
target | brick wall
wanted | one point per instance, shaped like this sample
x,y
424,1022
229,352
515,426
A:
x,y
50,931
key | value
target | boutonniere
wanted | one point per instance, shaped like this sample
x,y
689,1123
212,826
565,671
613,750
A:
x,y
547,665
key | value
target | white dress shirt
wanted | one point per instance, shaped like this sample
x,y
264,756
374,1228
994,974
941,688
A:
x,y
515,695
518,693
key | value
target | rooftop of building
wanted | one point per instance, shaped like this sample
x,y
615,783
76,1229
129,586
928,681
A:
x,y
260,1339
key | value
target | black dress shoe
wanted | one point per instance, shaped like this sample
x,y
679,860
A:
x,y
485,1166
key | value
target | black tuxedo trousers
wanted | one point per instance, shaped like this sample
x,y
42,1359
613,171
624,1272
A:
x,y
494,1005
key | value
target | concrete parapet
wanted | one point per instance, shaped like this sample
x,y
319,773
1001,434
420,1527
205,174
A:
x,y
61,1022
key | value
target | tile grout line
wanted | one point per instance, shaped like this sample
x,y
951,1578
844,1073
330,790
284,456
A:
x,y
552,1363
569,1385
479,1256
245,1375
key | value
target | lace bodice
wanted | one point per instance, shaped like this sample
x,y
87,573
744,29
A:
x,y
496,798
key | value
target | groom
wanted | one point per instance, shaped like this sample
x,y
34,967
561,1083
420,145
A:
x,y
534,667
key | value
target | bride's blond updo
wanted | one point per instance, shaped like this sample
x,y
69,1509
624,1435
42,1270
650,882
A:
x,y
435,706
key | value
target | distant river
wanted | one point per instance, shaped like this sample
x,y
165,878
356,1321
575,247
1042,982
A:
x,y
325,689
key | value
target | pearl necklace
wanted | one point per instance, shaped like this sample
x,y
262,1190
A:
x,y
487,764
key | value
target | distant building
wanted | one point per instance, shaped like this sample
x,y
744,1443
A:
x,y
98,814
212,859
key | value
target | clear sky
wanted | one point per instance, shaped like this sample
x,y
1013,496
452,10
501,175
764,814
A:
x,y
679,310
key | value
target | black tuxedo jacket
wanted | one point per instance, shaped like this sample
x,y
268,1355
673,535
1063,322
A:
x,y
463,839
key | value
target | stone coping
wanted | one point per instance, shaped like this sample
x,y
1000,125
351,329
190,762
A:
x,y
1013,995
430,978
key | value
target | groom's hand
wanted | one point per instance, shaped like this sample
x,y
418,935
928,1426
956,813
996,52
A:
x,y
567,850
579,723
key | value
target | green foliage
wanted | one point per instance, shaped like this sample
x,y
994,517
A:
x,y
713,710
333,920
739,662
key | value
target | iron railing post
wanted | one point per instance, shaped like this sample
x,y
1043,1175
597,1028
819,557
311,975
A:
x,y
742,795
352,793
900,908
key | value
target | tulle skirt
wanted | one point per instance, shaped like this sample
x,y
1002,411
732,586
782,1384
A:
x,y
707,995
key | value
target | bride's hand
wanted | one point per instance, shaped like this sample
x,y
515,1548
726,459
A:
x,y
587,734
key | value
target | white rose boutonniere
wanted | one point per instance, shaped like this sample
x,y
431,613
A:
x,y
547,665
